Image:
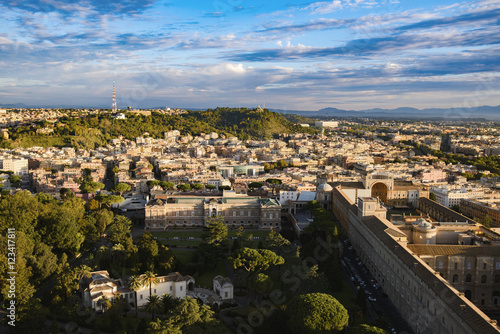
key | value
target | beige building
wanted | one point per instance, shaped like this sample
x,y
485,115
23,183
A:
x,y
426,300
478,209
190,211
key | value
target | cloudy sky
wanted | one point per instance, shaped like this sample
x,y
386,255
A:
x,y
292,55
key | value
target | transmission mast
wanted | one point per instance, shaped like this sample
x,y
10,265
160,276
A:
x,y
113,108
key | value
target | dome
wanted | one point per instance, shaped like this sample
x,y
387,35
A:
x,y
324,187
424,224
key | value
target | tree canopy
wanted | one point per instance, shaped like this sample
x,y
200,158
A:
x,y
316,313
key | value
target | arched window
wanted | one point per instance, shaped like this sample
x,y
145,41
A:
x,y
483,279
455,278
468,278
468,294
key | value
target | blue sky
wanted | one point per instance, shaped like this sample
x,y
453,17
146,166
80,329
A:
x,y
292,55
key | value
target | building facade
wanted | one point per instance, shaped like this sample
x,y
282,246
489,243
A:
x,y
190,211
426,300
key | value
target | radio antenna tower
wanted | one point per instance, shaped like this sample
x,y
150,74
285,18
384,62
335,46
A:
x,y
113,108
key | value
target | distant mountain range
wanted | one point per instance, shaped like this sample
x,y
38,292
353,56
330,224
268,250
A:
x,y
491,113
455,114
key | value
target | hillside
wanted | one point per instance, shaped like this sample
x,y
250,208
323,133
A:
x,y
89,132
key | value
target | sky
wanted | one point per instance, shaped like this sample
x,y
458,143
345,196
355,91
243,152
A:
x,y
289,55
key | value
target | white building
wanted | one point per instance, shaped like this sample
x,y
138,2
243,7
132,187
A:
x,y
173,284
18,165
326,124
451,197
100,285
288,195
223,287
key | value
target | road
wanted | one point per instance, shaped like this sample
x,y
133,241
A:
x,y
360,278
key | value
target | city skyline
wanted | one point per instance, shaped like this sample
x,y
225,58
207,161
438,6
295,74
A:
x,y
290,55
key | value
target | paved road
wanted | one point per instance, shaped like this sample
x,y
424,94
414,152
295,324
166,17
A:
x,y
360,278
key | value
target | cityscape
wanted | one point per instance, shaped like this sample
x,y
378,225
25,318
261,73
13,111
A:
x,y
250,168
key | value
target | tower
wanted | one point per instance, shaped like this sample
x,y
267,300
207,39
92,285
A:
x,y
113,108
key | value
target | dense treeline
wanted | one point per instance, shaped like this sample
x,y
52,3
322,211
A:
x,y
89,132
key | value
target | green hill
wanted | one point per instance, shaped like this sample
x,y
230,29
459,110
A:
x,y
92,131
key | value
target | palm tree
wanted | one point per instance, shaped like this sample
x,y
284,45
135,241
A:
x,y
169,302
153,305
149,278
135,284
83,271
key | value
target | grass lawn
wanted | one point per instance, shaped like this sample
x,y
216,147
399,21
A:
x,y
184,256
181,243
206,280
185,234
177,233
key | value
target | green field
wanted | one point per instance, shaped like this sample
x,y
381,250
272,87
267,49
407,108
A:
x,y
206,280
183,256
184,234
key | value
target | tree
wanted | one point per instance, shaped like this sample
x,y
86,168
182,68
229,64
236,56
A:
x,y
109,199
165,185
135,284
153,305
210,186
197,186
184,187
165,261
432,197
276,242
121,187
224,188
147,250
486,221
262,283
254,185
365,329
188,317
254,260
92,205
43,262
66,193
216,232
149,278
90,187
316,313
169,302
119,231
15,180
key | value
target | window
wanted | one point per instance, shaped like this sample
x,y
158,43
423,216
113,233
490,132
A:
x,y
456,265
484,265
497,265
440,264
483,279
497,278
468,265
154,291
468,278
170,288
140,297
455,278
181,288
225,294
